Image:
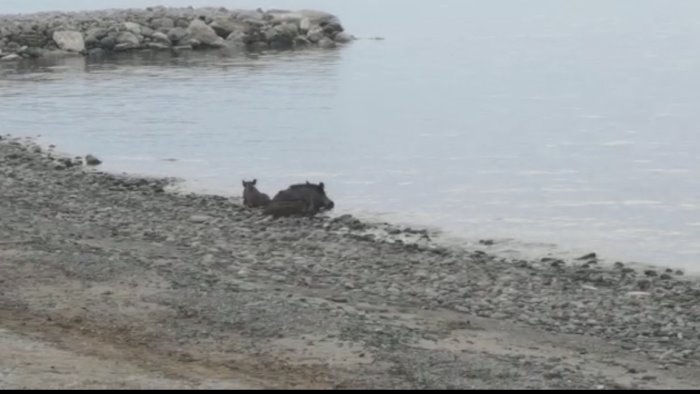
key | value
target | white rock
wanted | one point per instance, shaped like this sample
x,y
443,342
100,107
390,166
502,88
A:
x,y
132,27
637,293
160,38
204,34
71,41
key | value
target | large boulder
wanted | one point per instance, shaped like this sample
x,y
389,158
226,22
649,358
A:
x,y
283,16
71,41
132,27
343,37
224,26
315,34
160,38
319,17
206,36
109,42
255,17
93,36
162,23
177,35
326,43
127,40
281,37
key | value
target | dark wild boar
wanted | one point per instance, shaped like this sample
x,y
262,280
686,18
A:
x,y
312,196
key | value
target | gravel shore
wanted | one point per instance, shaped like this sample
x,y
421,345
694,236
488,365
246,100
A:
x,y
199,289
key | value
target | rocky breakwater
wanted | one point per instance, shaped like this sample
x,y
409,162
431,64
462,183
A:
x,y
159,28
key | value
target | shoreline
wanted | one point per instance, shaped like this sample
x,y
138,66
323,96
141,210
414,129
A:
x,y
207,284
510,248
514,248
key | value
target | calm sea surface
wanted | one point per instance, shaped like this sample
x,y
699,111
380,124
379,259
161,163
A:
x,y
550,126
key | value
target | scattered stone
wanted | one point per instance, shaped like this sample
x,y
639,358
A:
x,y
200,218
589,256
92,160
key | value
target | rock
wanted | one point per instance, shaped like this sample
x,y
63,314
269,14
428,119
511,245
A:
x,y
284,16
618,265
133,28
237,39
637,294
204,34
146,31
665,277
162,23
224,26
9,57
160,38
109,42
178,48
643,284
318,17
128,39
343,38
67,40
157,46
200,218
315,34
301,42
589,256
124,46
279,38
333,28
650,273
679,272
305,25
177,34
93,37
92,160
556,372
326,43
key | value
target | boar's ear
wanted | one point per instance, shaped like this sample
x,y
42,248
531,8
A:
x,y
321,185
244,183
255,182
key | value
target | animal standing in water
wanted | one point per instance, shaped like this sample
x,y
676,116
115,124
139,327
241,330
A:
x,y
253,198
300,200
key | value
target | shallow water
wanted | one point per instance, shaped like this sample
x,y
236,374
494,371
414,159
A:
x,y
540,124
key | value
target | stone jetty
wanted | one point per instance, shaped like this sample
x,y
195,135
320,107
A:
x,y
93,33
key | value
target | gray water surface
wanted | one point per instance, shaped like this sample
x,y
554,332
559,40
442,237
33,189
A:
x,y
536,123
